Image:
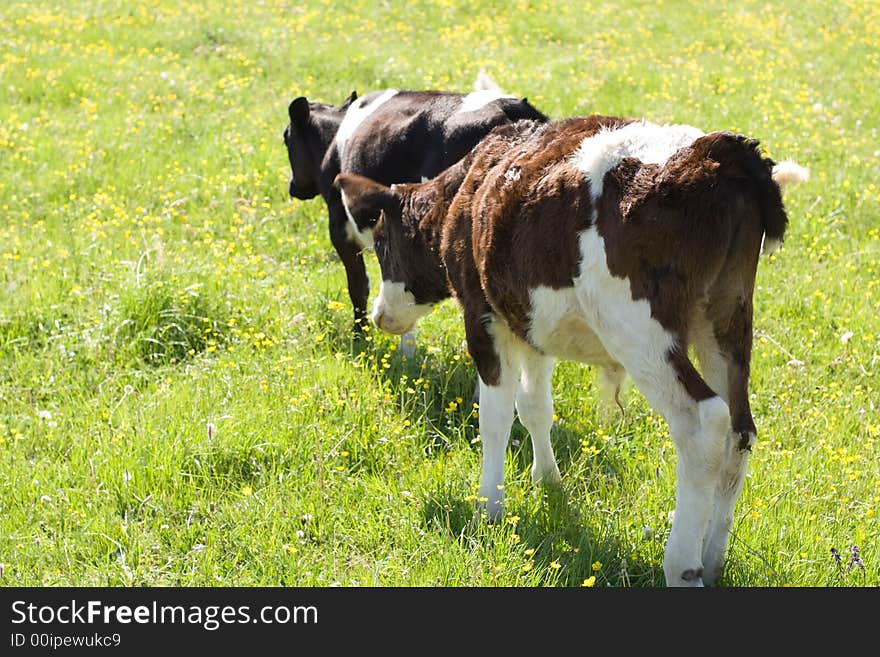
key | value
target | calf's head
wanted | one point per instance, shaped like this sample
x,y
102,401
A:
x,y
386,220
307,137
303,168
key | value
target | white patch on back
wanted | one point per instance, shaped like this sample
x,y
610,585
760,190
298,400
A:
x,y
363,238
648,142
356,113
479,99
395,309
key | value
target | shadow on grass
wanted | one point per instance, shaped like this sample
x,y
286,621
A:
x,y
436,389
448,382
443,405
235,465
567,441
555,535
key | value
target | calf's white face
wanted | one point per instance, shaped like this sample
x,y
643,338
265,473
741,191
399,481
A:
x,y
375,222
395,309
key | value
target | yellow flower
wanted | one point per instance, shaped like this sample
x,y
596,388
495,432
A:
x,y
597,566
590,581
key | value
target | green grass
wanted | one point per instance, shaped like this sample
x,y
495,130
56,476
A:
x,y
180,400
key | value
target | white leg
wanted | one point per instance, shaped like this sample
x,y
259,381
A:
x,y
652,357
699,440
534,403
717,371
698,430
408,344
734,461
727,492
496,418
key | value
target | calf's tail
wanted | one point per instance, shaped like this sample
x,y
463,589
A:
x,y
783,173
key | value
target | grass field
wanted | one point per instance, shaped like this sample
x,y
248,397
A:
x,y
180,399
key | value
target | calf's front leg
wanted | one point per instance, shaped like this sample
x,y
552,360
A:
x,y
496,418
498,378
355,270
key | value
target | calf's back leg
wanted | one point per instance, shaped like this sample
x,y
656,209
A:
x,y
724,350
699,423
655,357
698,418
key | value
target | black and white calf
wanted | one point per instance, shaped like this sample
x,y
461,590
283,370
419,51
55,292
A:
x,y
390,136
606,241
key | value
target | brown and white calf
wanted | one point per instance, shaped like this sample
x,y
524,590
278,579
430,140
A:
x,y
390,136
606,241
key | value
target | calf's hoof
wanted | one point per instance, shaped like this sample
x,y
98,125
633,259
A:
x,y
690,577
549,477
712,573
408,344
486,511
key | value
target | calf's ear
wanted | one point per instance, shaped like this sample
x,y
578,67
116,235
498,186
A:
x,y
348,101
365,199
299,110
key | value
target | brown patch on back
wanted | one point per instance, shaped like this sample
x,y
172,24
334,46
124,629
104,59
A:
x,y
457,247
669,229
689,233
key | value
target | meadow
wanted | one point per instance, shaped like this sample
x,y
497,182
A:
x,y
181,400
